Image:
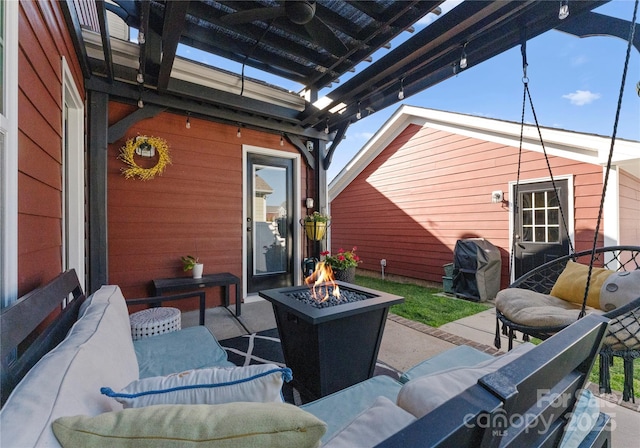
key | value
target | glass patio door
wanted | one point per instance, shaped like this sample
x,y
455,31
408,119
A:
x,y
269,226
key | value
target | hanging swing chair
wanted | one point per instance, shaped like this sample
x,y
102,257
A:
x,y
603,280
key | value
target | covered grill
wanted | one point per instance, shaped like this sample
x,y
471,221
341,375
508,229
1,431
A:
x,y
477,267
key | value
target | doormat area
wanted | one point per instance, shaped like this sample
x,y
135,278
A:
x,y
264,348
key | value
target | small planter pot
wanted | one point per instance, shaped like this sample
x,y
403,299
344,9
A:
x,y
197,270
315,230
345,275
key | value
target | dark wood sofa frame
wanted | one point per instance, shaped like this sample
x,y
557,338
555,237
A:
x,y
540,387
20,350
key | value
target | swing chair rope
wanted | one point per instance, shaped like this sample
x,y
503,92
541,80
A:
x,y
613,140
527,94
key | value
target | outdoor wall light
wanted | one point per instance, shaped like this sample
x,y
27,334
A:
x,y
497,196
401,92
281,139
359,113
326,128
238,134
309,202
188,124
140,78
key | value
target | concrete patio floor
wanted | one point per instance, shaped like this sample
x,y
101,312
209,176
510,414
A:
x,y
406,343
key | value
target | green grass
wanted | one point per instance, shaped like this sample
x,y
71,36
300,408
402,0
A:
x,y
616,373
423,304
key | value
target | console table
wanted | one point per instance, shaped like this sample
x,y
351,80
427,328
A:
x,y
223,279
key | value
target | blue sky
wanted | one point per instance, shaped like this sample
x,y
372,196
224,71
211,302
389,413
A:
x,y
574,84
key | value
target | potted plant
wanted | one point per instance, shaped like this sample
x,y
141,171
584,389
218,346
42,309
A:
x,y
343,264
190,262
315,225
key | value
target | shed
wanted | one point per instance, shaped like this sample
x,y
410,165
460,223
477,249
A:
x,y
429,178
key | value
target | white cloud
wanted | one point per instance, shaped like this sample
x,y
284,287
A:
x,y
361,135
581,97
579,60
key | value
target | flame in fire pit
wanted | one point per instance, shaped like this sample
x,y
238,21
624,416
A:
x,y
321,282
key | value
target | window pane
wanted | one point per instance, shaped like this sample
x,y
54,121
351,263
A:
x,y
539,199
527,234
527,217
553,217
540,235
553,235
526,200
552,199
540,217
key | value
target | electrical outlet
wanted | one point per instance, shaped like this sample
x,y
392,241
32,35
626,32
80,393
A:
x,y
383,262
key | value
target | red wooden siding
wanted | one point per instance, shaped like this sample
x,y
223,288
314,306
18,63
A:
x,y
44,39
629,209
429,188
196,202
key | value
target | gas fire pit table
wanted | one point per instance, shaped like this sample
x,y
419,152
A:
x,y
333,345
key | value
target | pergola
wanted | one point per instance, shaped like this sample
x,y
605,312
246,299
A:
x,y
340,50
312,43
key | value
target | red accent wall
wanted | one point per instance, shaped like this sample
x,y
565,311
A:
x,y
429,188
195,205
43,39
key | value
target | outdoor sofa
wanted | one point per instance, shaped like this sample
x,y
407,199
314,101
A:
x,y
71,383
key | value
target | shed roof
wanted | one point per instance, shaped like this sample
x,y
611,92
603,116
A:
x,y
587,148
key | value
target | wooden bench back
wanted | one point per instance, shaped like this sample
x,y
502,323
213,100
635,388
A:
x,y
20,348
540,388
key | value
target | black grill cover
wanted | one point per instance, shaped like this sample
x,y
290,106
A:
x,y
477,267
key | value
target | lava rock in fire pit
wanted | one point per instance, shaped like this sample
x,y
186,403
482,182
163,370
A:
x,y
346,296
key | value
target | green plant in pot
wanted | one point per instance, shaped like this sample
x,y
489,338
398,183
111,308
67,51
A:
x,y
190,262
315,225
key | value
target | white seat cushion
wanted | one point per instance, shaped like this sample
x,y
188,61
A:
x,y
422,395
534,309
98,350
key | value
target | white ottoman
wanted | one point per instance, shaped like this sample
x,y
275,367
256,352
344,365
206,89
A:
x,y
154,321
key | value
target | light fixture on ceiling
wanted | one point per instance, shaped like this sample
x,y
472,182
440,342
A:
x,y
326,128
463,58
188,124
564,9
401,92
140,78
238,134
281,139
358,114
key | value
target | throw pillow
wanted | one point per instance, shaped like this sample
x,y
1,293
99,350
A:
x,y
259,383
583,419
572,282
231,425
422,395
379,422
619,289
